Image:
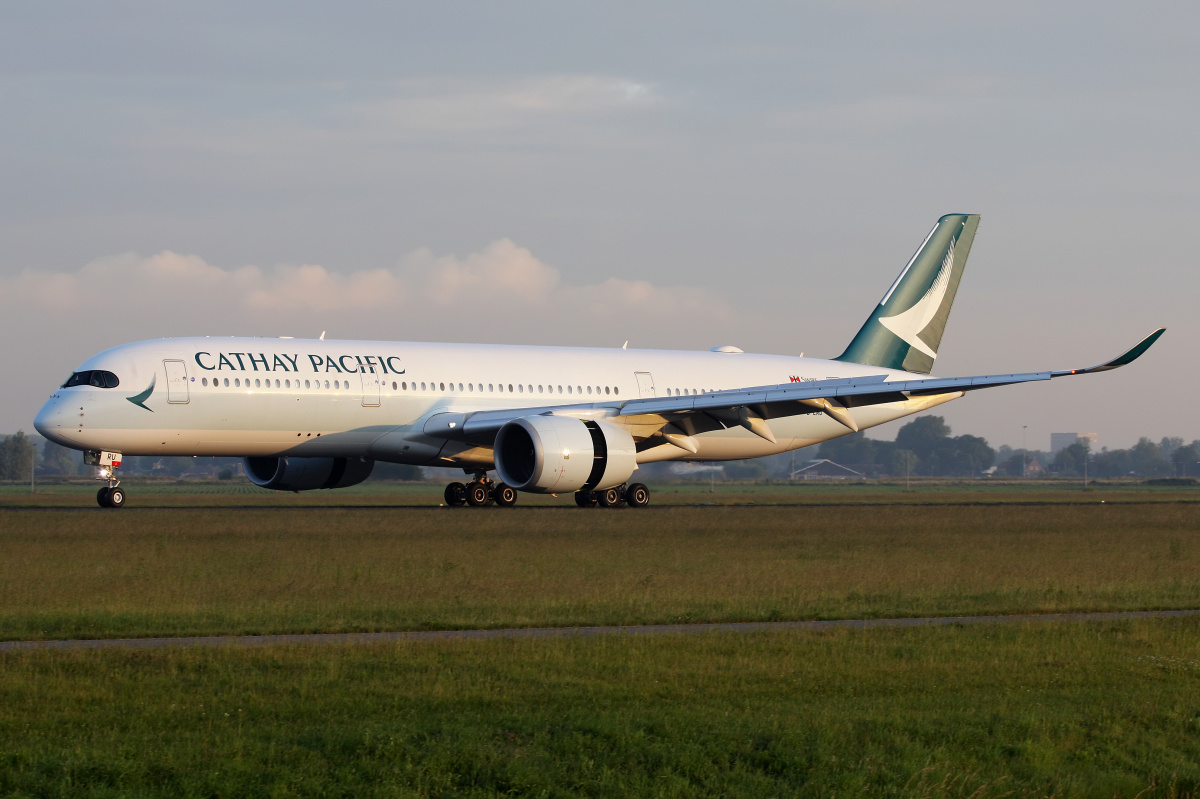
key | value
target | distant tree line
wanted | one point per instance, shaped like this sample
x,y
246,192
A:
x,y
928,448
923,447
16,457
18,453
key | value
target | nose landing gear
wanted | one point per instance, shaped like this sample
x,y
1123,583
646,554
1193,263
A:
x,y
480,493
111,495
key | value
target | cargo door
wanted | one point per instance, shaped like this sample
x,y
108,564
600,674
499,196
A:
x,y
645,383
371,386
177,387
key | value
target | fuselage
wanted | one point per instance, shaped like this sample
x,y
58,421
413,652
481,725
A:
x,y
371,399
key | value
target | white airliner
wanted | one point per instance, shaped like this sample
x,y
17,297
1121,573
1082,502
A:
x,y
308,414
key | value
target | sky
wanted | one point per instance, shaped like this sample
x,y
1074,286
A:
x,y
676,175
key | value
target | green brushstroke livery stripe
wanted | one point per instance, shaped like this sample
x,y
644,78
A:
x,y
140,399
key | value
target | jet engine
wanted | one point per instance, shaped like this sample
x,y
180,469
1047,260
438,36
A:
x,y
552,454
305,474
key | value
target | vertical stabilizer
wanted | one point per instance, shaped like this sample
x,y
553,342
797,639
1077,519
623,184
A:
x,y
904,331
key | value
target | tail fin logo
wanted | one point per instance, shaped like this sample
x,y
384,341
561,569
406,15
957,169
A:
x,y
908,324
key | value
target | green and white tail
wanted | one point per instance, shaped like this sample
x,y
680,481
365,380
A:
x,y
905,330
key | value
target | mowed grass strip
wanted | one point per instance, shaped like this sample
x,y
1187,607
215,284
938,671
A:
x,y
211,571
162,493
1028,710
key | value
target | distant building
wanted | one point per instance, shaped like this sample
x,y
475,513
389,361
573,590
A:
x,y
826,470
1060,441
1034,469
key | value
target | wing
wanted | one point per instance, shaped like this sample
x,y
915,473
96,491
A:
x,y
681,417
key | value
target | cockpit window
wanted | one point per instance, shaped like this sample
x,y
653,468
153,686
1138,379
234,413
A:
x,y
96,378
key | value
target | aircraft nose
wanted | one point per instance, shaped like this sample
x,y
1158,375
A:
x,y
54,420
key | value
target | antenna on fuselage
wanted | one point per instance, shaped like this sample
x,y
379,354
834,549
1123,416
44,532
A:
x,y
322,338
625,346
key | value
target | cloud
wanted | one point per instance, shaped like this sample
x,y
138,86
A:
x,y
449,105
345,116
502,290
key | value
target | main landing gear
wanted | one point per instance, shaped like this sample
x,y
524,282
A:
x,y
635,495
111,495
480,492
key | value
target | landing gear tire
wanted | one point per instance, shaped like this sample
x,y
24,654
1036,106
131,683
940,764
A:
x,y
610,498
505,495
478,495
456,495
585,499
116,497
637,496
102,497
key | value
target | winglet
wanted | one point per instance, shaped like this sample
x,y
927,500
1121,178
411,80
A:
x,y
1129,357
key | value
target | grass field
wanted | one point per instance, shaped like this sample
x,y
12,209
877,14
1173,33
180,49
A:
x,y
1053,709
203,569
1046,710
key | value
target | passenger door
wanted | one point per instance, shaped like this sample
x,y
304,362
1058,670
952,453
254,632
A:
x,y
371,387
177,387
645,384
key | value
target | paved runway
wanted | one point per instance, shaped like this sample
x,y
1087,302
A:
x,y
424,636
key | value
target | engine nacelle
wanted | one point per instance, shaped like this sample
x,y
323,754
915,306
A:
x,y
553,454
306,474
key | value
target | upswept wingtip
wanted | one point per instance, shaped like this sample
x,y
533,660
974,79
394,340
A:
x,y
1127,357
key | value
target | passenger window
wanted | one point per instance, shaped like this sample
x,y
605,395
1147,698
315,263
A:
x,y
287,383
606,389
326,384
540,389
490,389
520,388
237,382
568,389
589,389
306,384
227,382
616,391
204,381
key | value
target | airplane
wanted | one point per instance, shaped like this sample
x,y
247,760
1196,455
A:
x,y
318,414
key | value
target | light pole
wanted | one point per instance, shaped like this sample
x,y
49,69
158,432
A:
x,y
1024,452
